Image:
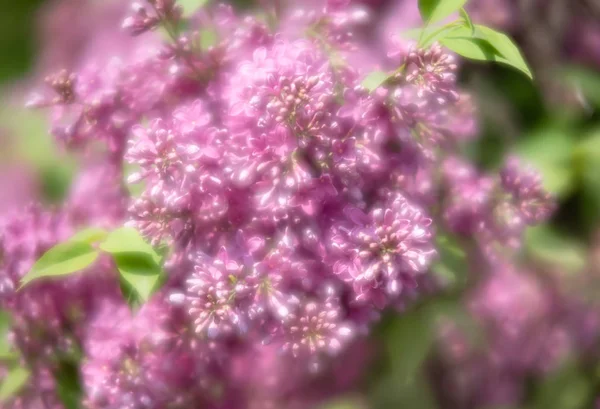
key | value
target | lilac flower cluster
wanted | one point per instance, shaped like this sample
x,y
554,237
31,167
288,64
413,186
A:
x,y
531,327
294,204
495,211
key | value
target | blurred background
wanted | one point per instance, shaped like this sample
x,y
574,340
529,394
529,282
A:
x,y
552,122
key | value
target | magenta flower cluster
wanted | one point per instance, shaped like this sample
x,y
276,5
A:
x,y
293,204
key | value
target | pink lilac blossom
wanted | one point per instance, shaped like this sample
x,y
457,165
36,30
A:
x,y
494,210
530,328
294,204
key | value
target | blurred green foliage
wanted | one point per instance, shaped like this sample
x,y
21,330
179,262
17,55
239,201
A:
x,y
34,147
17,44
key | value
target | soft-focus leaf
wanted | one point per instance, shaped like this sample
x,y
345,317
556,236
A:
x,y
374,80
431,36
470,47
208,38
390,393
486,45
68,384
137,262
506,47
347,403
62,259
190,6
467,20
13,382
68,257
566,388
128,240
408,343
435,10
451,266
586,83
90,235
550,151
139,272
587,165
555,249
36,148
6,352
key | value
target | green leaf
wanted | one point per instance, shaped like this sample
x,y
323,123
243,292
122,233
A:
x,y
139,272
208,38
36,147
471,47
553,248
138,263
435,10
390,393
430,36
6,353
485,45
550,150
14,381
587,165
68,384
62,259
90,235
374,80
68,257
191,6
566,388
451,266
128,240
467,20
510,54
586,82
408,342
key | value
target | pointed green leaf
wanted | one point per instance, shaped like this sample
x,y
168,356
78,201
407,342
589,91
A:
x,y
62,259
68,257
430,36
506,47
128,240
374,80
139,272
485,45
467,20
435,10
472,48
14,381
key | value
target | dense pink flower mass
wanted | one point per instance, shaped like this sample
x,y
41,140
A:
x,y
292,205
